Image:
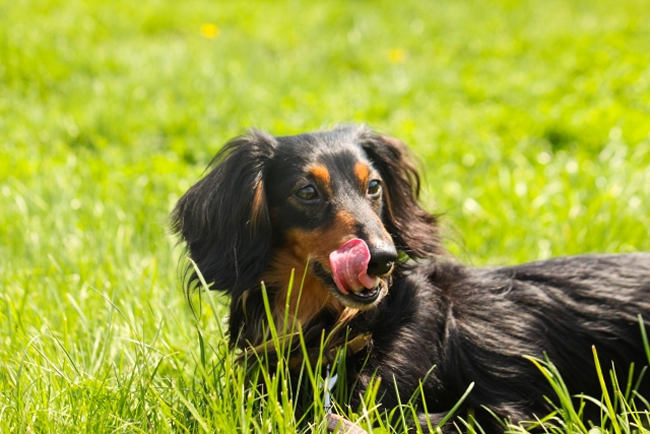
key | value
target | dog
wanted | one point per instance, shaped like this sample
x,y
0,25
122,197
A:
x,y
340,207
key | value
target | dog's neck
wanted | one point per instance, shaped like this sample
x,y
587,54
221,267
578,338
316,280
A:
x,y
301,298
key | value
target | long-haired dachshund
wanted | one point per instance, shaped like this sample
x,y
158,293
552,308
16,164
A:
x,y
342,207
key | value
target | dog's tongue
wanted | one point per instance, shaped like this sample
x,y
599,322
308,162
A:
x,y
350,267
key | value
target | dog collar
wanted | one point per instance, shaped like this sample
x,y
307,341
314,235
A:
x,y
328,355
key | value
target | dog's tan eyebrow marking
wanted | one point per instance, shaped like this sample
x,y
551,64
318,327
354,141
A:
x,y
362,172
322,176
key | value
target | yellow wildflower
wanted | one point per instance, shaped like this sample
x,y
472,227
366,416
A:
x,y
397,55
209,30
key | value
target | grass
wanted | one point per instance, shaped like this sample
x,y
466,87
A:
x,y
531,120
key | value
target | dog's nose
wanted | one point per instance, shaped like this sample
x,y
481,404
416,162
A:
x,y
381,260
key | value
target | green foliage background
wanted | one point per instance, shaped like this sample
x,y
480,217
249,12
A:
x,y
531,120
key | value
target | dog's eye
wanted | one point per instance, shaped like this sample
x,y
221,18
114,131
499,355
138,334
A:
x,y
308,193
374,188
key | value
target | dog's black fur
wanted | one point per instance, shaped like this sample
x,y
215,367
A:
x,y
273,204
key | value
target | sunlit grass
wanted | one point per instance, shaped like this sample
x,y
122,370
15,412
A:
x,y
622,410
530,119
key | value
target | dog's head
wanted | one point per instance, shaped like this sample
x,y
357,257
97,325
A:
x,y
342,203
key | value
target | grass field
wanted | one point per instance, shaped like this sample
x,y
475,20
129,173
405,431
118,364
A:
x,y
532,121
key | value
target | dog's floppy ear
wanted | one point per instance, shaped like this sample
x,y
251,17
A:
x,y
224,219
413,229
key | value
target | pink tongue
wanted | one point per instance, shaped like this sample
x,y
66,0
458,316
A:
x,y
350,267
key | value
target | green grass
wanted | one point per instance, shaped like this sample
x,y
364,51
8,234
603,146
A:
x,y
531,119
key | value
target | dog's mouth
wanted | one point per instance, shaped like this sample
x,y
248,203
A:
x,y
349,280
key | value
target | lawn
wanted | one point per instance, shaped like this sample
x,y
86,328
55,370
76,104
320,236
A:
x,y
531,120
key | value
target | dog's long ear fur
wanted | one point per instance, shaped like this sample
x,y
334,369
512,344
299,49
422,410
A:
x,y
413,229
224,219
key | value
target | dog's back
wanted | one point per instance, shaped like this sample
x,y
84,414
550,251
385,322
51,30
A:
x,y
477,326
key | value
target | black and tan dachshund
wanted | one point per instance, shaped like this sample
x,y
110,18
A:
x,y
345,202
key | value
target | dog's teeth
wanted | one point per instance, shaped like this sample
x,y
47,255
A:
x,y
368,292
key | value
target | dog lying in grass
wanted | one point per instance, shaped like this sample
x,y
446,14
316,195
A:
x,y
342,206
